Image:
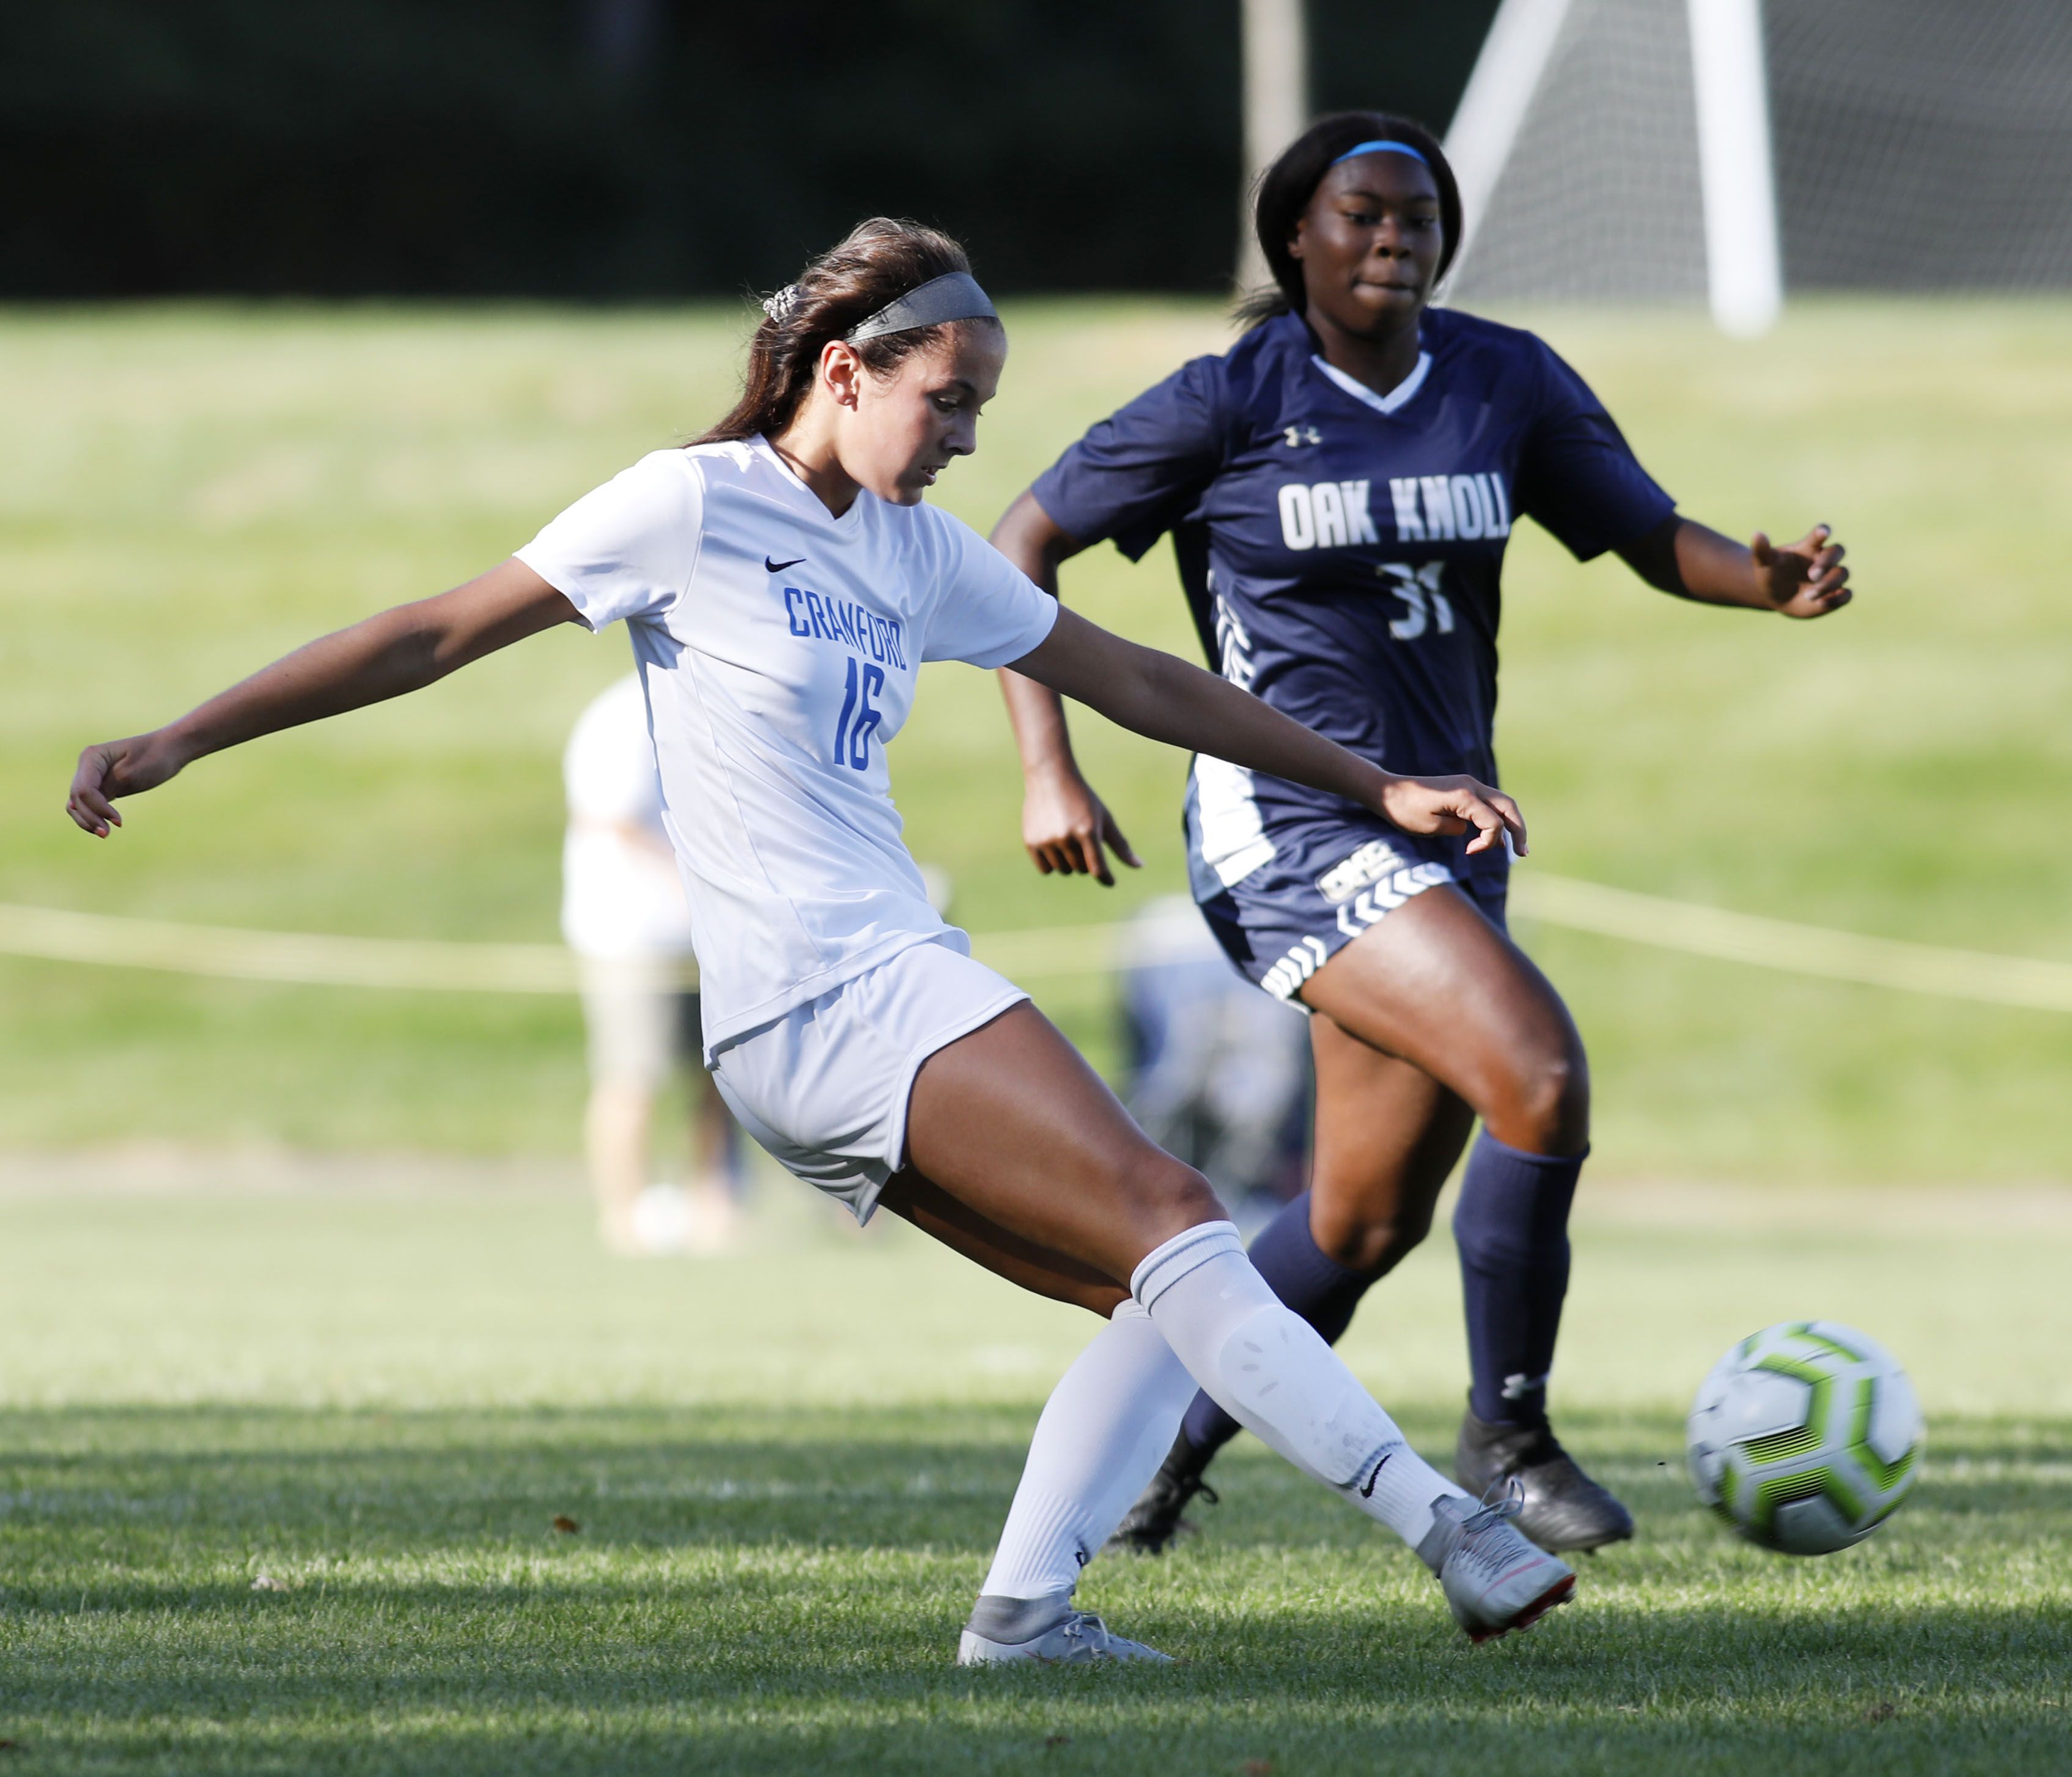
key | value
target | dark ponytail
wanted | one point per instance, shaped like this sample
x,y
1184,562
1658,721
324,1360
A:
x,y
881,259
1286,188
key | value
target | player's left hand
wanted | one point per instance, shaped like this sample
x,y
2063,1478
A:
x,y
1801,579
1454,805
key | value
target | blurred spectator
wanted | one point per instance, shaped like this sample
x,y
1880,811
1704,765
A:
x,y
1219,1072
624,914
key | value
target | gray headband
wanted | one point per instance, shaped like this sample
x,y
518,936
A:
x,y
955,296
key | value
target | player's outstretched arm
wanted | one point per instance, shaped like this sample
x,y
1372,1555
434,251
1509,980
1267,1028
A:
x,y
1167,700
1801,579
399,650
1066,826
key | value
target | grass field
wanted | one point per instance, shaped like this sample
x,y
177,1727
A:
x,y
187,493
788,1468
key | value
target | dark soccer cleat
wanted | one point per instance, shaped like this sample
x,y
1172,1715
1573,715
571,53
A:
x,y
1562,1507
1156,1519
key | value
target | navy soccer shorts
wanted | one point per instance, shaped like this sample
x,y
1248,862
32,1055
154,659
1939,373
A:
x,y
1326,884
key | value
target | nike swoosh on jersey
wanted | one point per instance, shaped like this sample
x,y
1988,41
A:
x,y
770,566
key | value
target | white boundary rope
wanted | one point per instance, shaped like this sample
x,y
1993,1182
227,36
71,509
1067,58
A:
x,y
1786,946
307,957
318,960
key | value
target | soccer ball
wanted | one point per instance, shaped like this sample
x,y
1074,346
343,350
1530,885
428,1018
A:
x,y
1805,1437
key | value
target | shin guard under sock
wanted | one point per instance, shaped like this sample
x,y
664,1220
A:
x,y
1267,1367
1313,1283
1512,1226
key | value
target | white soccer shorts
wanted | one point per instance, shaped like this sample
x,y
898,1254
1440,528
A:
x,y
825,1088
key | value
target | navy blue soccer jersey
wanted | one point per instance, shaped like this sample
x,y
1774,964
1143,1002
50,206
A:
x,y
1341,550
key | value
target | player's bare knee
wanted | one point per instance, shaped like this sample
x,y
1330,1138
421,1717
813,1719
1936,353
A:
x,y
1550,1109
1165,1193
1191,1198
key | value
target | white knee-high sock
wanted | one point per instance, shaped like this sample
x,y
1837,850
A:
x,y
1104,1432
1266,1367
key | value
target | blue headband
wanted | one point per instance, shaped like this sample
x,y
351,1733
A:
x,y
1383,148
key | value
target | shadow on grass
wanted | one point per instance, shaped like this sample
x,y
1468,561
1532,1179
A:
x,y
847,1687
758,1590
394,1483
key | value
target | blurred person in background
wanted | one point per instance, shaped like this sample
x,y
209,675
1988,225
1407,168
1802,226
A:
x,y
1340,487
1220,1074
624,914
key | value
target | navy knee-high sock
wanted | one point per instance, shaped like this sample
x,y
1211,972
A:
x,y
1313,1283
1512,1226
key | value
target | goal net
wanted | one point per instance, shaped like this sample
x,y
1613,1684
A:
x,y
1637,150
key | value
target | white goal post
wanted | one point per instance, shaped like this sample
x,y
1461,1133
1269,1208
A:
x,y
1276,59
1649,151
1493,105
1744,269
1606,47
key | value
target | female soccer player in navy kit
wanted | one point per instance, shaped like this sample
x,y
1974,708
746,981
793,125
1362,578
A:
x,y
1340,487
783,579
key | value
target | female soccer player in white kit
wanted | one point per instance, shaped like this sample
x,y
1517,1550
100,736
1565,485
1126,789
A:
x,y
783,580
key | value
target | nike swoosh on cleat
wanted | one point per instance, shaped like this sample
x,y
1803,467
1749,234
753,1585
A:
x,y
770,566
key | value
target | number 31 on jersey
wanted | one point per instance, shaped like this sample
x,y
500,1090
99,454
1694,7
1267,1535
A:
x,y
1418,588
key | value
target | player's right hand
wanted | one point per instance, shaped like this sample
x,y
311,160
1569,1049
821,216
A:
x,y
117,767
1454,805
1066,826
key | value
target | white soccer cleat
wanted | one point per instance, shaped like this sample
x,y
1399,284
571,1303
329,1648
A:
x,y
1080,1638
1495,1580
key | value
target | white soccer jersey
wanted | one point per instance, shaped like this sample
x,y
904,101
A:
x,y
779,646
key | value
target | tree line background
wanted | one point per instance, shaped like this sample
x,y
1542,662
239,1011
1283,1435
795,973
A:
x,y
624,149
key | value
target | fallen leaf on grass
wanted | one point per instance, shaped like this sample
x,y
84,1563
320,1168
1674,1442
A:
x,y
266,1582
1257,1767
1057,1739
565,1524
1880,1712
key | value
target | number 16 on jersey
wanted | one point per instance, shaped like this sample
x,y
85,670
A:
x,y
859,715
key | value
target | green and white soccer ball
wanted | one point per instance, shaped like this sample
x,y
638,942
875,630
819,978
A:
x,y
1805,1437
